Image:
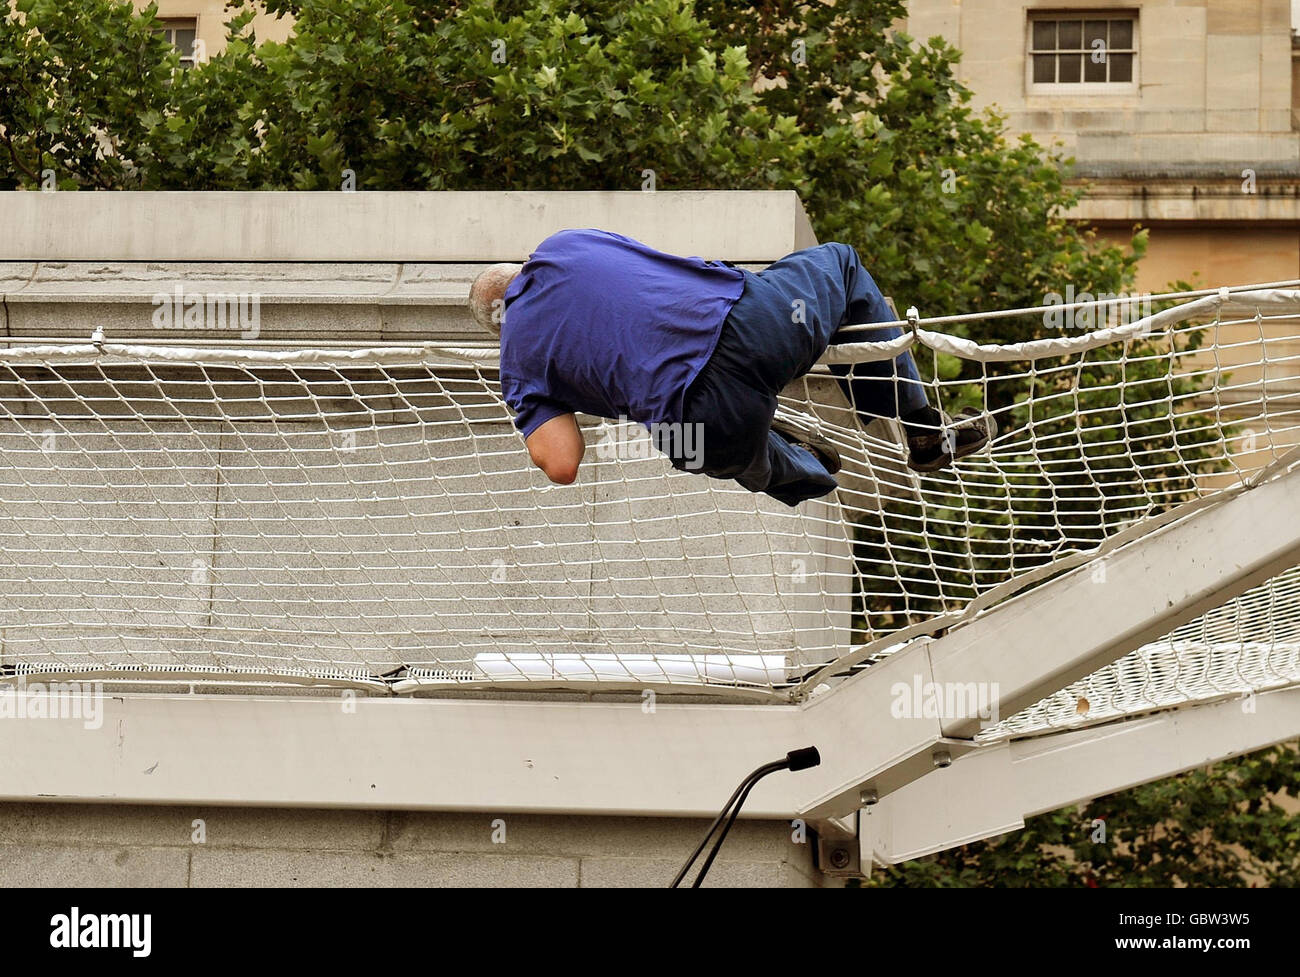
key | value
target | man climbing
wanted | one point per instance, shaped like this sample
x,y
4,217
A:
x,y
599,323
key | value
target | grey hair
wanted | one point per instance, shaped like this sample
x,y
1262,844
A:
x,y
488,290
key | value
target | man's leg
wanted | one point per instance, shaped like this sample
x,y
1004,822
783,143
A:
x,y
788,473
893,388
878,388
734,421
788,315
791,310
776,331
881,388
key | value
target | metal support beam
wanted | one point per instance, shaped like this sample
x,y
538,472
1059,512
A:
x,y
992,791
1033,645
450,755
1070,627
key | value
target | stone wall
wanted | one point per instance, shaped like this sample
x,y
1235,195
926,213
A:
x,y
128,846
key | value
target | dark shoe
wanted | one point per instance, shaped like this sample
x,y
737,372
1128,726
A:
x,y
819,448
960,436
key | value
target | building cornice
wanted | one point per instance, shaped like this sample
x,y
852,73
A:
x,y
1256,200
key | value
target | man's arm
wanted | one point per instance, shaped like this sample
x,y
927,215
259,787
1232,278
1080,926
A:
x,y
556,447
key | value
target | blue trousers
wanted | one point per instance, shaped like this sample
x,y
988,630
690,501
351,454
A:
x,y
776,332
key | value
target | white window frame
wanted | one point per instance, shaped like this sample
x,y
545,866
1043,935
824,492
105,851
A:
x,y
1089,88
169,27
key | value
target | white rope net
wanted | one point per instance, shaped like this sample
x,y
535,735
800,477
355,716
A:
x,y
370,518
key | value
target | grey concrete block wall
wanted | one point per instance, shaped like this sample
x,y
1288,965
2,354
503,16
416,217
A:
x,y
129,846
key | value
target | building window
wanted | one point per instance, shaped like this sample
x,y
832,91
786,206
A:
x,y
1072,52
180,34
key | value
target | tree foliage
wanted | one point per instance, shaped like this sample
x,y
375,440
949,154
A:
x,y
872,128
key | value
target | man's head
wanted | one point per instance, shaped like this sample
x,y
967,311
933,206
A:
x,y
487,295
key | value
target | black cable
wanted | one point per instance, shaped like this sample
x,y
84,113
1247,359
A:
x,y
794,760
717,845
761,771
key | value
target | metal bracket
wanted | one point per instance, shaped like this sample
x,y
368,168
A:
x,y
838,853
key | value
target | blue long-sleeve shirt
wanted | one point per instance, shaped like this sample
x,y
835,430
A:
x,y
602,324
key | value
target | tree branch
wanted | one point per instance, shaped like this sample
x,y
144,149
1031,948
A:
x,y
13,155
